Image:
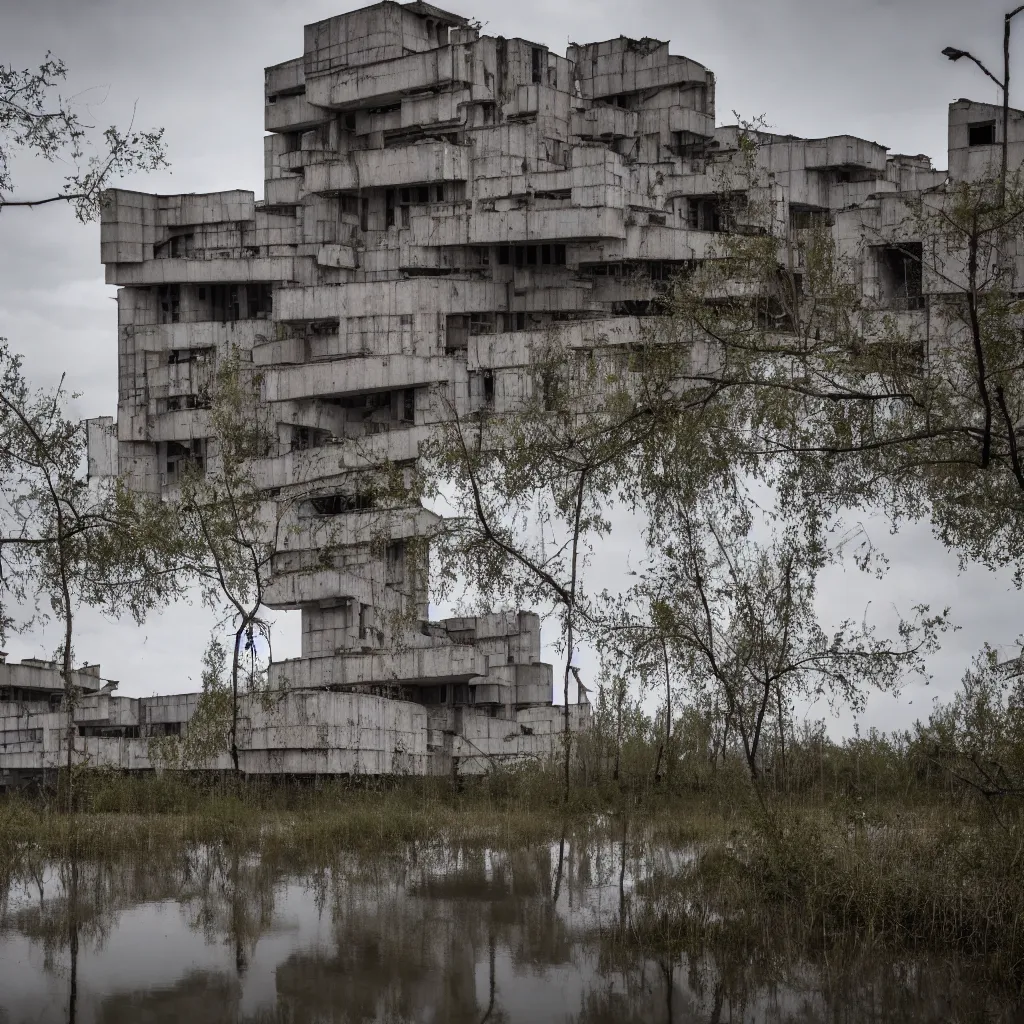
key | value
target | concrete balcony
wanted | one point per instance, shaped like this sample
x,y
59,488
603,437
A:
x,y
292,114
321,533
334,459
284,191
527,225
211,271
498,351
694,122
351,376
843,151
289,76
388,81
427,666
336,176
415,164
293,590
206,334
605,122
392,298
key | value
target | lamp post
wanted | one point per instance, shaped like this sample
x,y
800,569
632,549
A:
x,y
954,54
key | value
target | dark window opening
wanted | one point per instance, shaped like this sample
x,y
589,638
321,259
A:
x,y
981,133
423,194
187,355
350,122
481,323
182,453
488,387
843,177
504,255
900,276
409,405
456,333
364,215
339,504
537,55
394,561
170,303
389,208
704,213
165,729
806,219
350,205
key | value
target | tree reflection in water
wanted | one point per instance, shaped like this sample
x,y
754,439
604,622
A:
x,y
590,929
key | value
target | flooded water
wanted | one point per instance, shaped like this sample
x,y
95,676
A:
x,y
427,934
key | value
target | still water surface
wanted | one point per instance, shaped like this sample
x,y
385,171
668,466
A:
x,y
426,934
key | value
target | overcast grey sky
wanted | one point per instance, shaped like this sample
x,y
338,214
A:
x,y
870,68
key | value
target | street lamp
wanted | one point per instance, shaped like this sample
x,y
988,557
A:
x,y
955,54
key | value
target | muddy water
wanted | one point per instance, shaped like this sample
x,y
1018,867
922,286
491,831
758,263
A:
x,y
425,934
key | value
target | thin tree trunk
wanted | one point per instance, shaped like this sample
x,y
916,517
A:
x,y
782,736
568,732
73,940
234,699
663,747
69,686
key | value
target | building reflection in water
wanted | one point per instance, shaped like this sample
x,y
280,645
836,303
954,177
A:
x,y
426,934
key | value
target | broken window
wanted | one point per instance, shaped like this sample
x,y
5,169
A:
x,y
304,438
805,218
705,214
364,215
187,355
899,275
259,301
389,208
170,303
179,454
981,133
349,205
339,504
481,323
409,405
537,59
489,387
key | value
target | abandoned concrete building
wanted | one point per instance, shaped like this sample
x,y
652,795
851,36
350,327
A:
x,y
437,202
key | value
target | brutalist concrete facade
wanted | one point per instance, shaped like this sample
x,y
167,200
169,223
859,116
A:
x,y
437,204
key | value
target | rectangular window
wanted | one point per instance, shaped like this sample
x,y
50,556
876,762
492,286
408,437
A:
x,y
364,215
389,208
504,255
537,55
900,275
981,133
170,303
423,194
